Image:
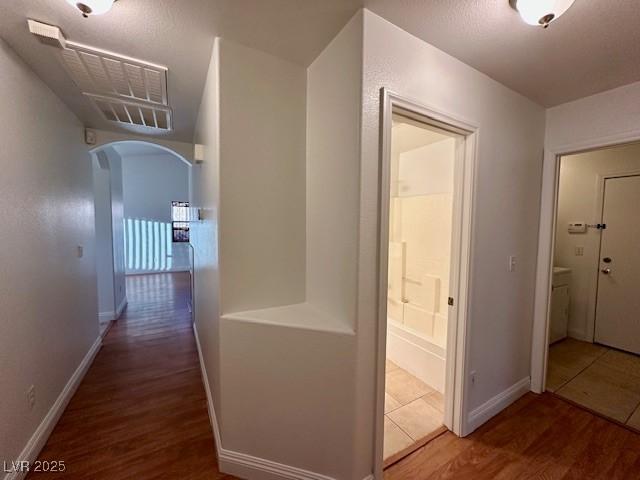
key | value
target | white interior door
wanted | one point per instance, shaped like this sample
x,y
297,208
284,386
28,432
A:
x,y
618,305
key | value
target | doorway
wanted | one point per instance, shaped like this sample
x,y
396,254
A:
x,y
137,186
594,335
426,189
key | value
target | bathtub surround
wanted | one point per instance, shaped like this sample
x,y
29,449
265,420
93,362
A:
x,y
420,234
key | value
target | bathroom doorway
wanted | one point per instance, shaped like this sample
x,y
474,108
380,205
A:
x,y
425,215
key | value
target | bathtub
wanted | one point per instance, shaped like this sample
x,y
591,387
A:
x,y
422,356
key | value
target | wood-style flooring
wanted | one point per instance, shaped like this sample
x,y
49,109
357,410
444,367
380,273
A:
x,y
140,412
538,437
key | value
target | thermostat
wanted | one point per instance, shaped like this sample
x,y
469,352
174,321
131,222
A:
x,y
577,227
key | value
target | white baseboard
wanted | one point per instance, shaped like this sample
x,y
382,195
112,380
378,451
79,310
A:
x,y
106,317
241,464
496,404
40,436
121,307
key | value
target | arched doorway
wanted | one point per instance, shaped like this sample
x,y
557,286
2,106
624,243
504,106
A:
x,y
135,183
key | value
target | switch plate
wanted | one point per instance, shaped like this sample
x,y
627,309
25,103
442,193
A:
x,y
80,251
579,251
512,263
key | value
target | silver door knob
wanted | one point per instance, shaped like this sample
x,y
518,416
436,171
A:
x,y
606,271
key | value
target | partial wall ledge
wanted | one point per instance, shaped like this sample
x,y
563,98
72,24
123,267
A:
x,y
300,315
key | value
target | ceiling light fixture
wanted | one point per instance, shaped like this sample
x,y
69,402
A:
x,y
92,7
540,12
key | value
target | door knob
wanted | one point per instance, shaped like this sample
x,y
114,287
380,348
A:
x,y
606,271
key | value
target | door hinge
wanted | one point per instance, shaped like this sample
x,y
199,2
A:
x,y
450,301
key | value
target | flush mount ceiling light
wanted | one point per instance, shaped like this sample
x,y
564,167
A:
x,y
541,12
92,7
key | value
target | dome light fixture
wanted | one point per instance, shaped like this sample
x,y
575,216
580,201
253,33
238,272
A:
x,y
92,7
541,12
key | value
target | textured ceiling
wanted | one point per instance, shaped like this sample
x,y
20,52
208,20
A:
x,y
593,47
175,33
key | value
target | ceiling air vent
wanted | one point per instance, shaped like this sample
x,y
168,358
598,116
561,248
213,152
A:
x,y
132,113
125,90
109,74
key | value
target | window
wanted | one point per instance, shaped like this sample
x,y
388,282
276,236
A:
x,y
180,221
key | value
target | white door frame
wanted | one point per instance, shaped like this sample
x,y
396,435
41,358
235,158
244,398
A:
x,y
464,183
546,245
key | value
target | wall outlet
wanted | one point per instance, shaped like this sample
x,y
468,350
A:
x,y
512,263
472,377
31,396
579,250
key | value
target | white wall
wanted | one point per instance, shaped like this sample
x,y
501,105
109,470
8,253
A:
x,y
334,93
204,235
151,182
48,294
110,255
608,118
262,150
117,230
511,130
104,246
580,177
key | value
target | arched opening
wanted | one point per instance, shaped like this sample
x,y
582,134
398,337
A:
x,y
136,184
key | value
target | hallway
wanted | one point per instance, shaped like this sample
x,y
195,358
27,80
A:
x,y
141,410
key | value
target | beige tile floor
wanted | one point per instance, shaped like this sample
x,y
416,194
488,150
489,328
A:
x,y
601,379
412,410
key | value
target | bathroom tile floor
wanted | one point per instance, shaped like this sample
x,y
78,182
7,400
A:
x,y
413,411
601,379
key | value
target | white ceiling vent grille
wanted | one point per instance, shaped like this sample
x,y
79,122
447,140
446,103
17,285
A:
x,y
125,90
133,113
105,73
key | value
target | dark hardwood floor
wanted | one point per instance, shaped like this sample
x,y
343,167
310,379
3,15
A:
x,y
538,437
140,412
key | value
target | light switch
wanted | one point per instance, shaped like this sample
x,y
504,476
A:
x,y
80,251
512,263
579,250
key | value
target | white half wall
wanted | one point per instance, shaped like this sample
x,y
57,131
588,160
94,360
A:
x,y
47,291
606,119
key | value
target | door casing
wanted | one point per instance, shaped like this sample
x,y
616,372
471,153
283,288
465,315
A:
x,y
455,417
